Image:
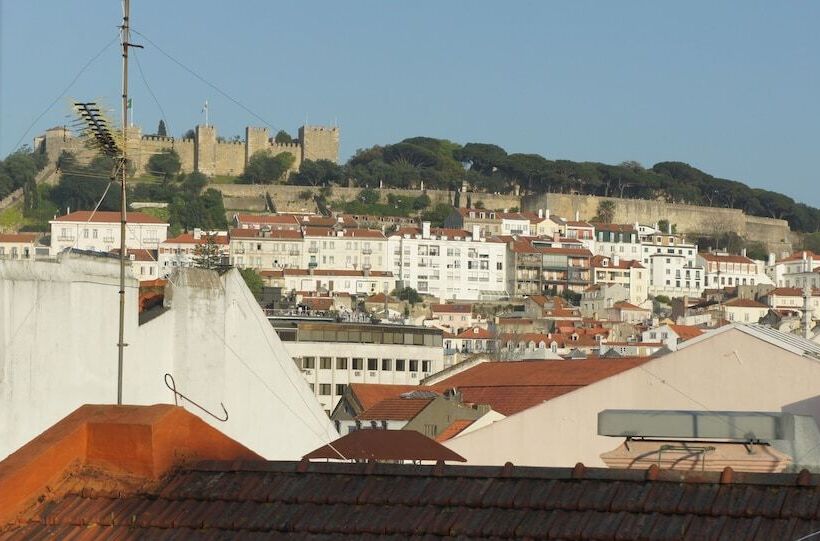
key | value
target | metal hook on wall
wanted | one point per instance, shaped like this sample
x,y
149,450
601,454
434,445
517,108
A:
x,y
171,384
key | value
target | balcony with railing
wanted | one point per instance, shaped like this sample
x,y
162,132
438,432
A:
x,y
367,251
312,264
313,249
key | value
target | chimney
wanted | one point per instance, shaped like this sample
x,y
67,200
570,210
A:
x,y
425,230
772,259
669,228
637,226
476,232
616,260
197,233
546,213
340,219
540,213
556,236
743,252
577,216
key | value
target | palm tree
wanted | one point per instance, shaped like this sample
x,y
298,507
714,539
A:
x,y
606,211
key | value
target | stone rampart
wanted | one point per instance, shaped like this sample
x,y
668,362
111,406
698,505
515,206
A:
x,y
689,219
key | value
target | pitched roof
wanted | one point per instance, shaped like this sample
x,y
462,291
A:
x,y
725,258
686,332
370,394
598,262
272,234
454,429
286,219
797,256
791,292
188,238
623,305
475,333
138,254
318,303
511,387
352,233
108,217
381,297
395,409
576,223
18,237
616,228
744,303
385,445
319,500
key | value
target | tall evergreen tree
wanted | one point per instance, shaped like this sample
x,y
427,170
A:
x,y
161,130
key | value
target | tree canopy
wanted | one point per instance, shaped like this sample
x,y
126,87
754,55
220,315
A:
x,y
265,168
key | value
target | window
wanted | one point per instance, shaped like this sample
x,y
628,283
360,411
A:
x,y
85,233
387,364
325,363
341,363
414,365
425,366
357,363
372,364
399,365
308,362
340,389
324,389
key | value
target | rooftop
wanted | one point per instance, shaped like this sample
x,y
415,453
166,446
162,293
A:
x,y
107,217
725,258
385,445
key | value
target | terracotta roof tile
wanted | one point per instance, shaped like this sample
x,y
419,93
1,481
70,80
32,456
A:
x,y
369,394
686,332
728,258
385,445
395,409
744,303
108,217
263,219
791,292
18,237
475,333
272,234
188,238
454,429
454,308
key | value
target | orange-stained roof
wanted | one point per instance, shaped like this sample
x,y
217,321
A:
x,y
616,228
369,394
686,332
745,303
288,219
623,305
574,223
510,387
272,234
108,217
598,262
354,233
382,445
729,258
454,429
454,308
188,238
18,237
797,256
395,409
318,303
138,254
380,297
475,333
791,292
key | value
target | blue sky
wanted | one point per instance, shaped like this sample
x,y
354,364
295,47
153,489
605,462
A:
x,y
730,87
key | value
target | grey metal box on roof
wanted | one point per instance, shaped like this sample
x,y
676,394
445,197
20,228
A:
x,y
722,425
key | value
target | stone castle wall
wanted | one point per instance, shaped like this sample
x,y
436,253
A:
x,y
689,219
204,153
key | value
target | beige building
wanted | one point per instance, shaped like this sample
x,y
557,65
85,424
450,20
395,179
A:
x,y
734,368
17,245
629,273
266,249
744,310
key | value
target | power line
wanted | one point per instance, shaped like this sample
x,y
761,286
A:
x,y
204,80
150,91
66,89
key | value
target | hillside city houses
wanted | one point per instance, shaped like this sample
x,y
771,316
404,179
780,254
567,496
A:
x,y
511,341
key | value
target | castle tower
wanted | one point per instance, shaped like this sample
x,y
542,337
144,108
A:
x,y
319,143
205,150
256,139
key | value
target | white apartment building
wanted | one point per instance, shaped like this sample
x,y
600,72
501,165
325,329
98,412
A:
x,y
333,355
790,300
791,271
100,231
449,263
728,270
354,282
618,240
18,245
668,244
675,275
626,272
181,251
357,249
266,249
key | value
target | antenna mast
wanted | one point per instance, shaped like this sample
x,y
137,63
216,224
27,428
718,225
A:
x,y
123,170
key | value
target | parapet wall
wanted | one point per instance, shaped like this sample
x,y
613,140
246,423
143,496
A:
x,y
689,219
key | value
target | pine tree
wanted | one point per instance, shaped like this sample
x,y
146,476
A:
x,y
161,131
207,255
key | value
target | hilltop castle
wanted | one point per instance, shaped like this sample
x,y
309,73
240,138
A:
x,y
204,153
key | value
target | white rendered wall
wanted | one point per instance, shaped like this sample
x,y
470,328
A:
x,y
58,330
730,371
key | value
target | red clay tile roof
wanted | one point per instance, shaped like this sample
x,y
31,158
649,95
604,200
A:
x,y
686,332
598,262
395,409
623,305
475,333
797,256
369,394
617,228
272,234
138,254
455,428
745,303
345,233
288,219
791,292
380,298
18,237
108,217
369,501
318,303
376,444
574,223
452,308
510,387
730,258
188,238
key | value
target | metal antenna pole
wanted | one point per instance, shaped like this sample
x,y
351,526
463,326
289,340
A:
x,y
123,173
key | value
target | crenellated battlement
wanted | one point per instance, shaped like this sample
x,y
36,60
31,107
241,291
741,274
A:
x,y
205,153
